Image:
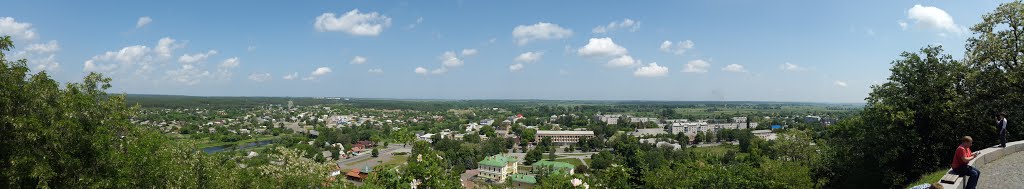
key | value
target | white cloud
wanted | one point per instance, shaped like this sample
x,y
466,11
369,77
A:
x,y
17,30
259,77
320,71
697,66
375,70
230,63
623,61
540,31
679,47
468,52
627,23
420,70
418,21
143,21
188,75
840,83
449,59
353,22
197,57
651,70
124,58
357,60
791,67
604,47
734,68
49,47
903,25
291,76
166,46
439,70
48,63
515,67
933,18
529,57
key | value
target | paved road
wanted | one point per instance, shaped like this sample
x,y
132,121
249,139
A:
x,y
1006,172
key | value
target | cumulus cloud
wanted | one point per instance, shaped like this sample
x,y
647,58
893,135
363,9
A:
x,y
188,74
449,59
529,57
166,46
320,71
602,47
623,61
375,70
357,60
515,67
17,30
124,58
615,25
143,21
230,63
734,68
651,70
420,70
291,76
353,22
839,83
903,25
791,67
49,47
523,34
933,18
468,52
697,66
679,47
197,57
259,77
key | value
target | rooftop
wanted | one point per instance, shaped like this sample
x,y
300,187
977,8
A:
x,y
499,160
523,178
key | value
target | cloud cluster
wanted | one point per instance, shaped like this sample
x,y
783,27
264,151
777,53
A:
x,y
734,68
651,70
260,77
353,22
602,47
523,34
615,25
357,60
526,57
449,59
932,18
697,66
791,67
20,31
679,47
143,21
41,56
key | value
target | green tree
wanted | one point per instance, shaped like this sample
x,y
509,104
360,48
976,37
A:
x,y
374,152
533,156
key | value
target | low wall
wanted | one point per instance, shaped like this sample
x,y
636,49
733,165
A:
x,y
985,156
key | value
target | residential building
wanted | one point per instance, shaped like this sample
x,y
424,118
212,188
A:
x,y
812,119
523,180
497,168
610,119
563,137
764,134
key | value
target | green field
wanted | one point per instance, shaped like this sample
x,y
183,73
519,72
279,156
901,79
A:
x,y
396,160
206,143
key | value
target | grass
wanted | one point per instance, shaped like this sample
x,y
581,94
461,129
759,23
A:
x,y
713,150
930,178
573,161
396,160
212,144
358,162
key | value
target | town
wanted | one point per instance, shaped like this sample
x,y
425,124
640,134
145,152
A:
x,y
510,140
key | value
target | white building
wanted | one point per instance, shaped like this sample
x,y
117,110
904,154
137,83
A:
x,y
563,137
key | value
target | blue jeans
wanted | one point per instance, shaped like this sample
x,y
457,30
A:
x,y
967,170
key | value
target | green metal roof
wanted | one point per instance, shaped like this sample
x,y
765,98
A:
x,y
523,178
498,160
554,164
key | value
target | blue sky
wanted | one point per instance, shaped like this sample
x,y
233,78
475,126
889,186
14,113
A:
x,y
815,51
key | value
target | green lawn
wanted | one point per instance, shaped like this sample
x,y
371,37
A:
x,y
396,160
930,177
572,161
208,144
358,162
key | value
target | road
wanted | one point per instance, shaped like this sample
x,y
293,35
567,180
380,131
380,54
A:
x,y
384,156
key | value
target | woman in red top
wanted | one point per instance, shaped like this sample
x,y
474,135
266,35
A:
x,y
961,158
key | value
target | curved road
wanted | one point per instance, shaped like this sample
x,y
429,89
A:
x,y
1006,172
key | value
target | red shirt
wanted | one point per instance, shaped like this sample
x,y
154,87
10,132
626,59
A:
x,y
958,158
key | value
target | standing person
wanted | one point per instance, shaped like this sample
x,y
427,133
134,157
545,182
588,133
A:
x,y
1001,123
962,156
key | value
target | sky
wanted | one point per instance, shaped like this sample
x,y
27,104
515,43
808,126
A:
x,y
802,51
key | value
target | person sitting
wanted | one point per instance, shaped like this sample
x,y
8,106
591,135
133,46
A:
x,y
962,156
